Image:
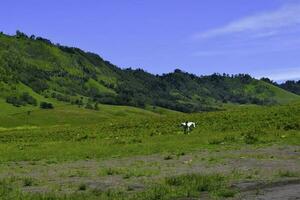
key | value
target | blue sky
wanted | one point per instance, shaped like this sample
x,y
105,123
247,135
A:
x,y
259,37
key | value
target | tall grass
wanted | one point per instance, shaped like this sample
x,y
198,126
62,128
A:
x,y
191,185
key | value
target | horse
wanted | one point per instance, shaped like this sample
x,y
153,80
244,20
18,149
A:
x,y
188,126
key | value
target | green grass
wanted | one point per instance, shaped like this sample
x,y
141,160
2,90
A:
x,y
101,88
169,188
64,114
28,181
281,95
68,133
124,131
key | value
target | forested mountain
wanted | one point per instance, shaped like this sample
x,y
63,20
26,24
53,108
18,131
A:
x,y
292,86
72,75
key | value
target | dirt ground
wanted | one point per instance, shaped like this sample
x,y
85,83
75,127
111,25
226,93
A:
x,y
260,173
285,189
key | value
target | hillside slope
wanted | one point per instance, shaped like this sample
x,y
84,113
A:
x,y
292,86
34,67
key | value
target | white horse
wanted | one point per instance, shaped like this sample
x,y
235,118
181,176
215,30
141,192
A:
x,y
188,126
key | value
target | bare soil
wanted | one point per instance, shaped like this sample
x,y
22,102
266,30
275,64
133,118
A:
x,y
280,190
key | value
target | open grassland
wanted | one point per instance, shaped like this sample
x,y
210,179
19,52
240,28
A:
x,y
121,152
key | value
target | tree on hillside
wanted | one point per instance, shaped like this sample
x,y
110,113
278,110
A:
x,y
19,34
96,106
21,100
32,37
267,80
292,86
46,105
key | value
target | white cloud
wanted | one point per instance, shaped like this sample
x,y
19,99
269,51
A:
x,y
263,24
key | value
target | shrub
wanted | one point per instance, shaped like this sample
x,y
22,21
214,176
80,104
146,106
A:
x,y
25,97
21,100
287,174
168,157
27,182
216,141
82,187
291,126
89,106
250,138
45,105
112,171
96,107
14,101
226,193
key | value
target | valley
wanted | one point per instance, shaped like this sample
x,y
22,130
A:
x,y
121,152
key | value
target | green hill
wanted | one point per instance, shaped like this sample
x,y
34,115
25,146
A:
x,y
292,86
34,70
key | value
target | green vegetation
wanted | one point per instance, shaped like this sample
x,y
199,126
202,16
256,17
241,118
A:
x,y
169,188
21,100
45,105
124,131
54,115
45,70
288,174
68,133
27,181
292,86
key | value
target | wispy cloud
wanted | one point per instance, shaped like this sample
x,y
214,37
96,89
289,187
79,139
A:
x,y
260,25
280,74
258,47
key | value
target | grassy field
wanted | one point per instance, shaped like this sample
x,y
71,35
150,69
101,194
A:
x,y
62,153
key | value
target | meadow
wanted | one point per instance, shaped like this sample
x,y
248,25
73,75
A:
x,y
122,152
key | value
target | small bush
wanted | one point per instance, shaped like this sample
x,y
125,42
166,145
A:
x,y
136,141
226,193
291,126
230,138
27,182
287,174
180,154
25,97
96,106
21,100
111,171
45,105
82,137
226,139
15,101
250,138
82,187
216,141
89,106
168,157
